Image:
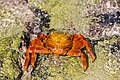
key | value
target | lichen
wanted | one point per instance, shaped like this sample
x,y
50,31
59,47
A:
x,y
10,24
66,15
9,57
10,33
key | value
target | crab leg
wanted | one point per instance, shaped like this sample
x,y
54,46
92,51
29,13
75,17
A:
x,y
34,51
37,50
80,42
27,59
89,49
33,58
75,52
41,50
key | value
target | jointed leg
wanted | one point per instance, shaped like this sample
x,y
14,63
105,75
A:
x,y
89,49
27,59
79,53
33,58
39,50
84,62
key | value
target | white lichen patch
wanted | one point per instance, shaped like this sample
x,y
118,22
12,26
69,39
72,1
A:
x,y
112,65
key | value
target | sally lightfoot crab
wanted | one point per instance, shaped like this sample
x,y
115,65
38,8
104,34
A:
x,y
58,43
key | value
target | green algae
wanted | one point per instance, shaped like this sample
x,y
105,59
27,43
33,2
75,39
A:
x,y
10,33
9,57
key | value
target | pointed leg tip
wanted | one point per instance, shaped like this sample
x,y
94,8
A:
x,y
93,59
33,66
85,68
25,69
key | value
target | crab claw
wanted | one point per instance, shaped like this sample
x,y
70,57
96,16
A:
x,y
80,42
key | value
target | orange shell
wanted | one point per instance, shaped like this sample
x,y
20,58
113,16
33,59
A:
x,y
58,42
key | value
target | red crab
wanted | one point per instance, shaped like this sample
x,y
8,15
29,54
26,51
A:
x,y
58,43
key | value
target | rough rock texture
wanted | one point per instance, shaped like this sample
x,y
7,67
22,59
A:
x,y
72,16
13,14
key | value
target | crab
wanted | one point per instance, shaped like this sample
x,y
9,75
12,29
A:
x,y
58,43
